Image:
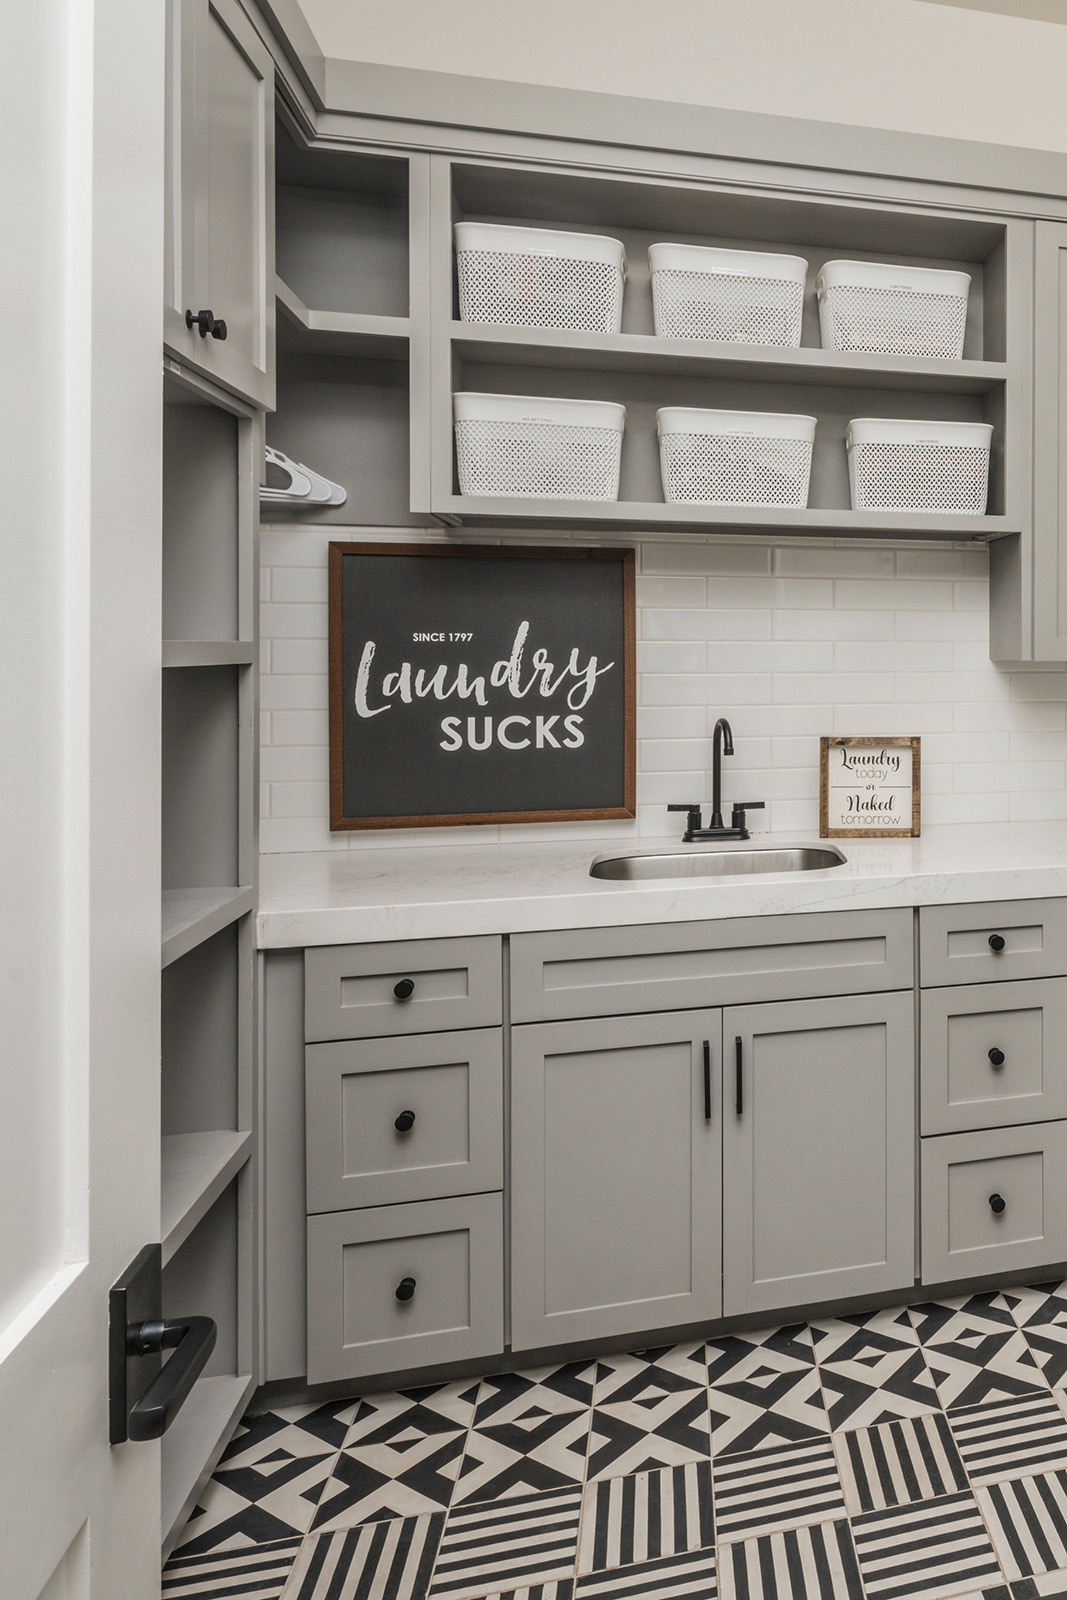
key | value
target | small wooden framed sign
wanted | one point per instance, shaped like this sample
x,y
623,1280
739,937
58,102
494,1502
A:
x,y
869,788
480,683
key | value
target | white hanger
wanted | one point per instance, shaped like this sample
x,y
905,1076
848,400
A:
x,y
304,485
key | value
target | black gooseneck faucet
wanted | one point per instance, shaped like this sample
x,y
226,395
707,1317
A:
x,y
722,743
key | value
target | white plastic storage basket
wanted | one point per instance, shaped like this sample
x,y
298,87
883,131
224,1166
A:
x,y
736,296
895,465
734,458
908,311
513,444
534,278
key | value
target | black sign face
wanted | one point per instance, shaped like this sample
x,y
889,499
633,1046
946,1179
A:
x,y
470,684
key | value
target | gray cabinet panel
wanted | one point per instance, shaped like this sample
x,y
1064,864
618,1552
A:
x,y
994,1201
607,971
357,1260
350,990
993,1054
1048,577
615,1199
818,1163
450,1084
955,947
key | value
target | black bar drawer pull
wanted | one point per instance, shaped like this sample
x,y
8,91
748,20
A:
x,y
739,1080
707,1080
192,1339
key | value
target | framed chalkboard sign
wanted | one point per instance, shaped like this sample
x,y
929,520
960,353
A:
x,y
475,683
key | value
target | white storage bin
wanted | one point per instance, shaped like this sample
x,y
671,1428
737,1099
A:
x,y
907,311
534,278
735,296
513,444
895,465
734,458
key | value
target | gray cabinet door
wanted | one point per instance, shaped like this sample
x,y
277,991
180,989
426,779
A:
x,y
615,1176
1046,580
220,201
993,1054
818,1151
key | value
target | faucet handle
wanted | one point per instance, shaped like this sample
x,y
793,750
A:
x,y
737,819
693,820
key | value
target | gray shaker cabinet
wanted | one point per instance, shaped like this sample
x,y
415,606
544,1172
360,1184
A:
x,y
818,1151
615,1178
220,195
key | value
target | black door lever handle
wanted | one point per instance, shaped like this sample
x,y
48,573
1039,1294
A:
x,y
192,1339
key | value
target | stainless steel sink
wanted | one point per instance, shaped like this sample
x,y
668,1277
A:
x,y
729,863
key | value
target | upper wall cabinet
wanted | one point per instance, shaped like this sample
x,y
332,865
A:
x,y
219,285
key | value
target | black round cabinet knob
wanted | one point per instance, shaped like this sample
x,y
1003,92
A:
x,y
406,1288
404,989
996,1057
997,942
997,1204
206,322
405,1122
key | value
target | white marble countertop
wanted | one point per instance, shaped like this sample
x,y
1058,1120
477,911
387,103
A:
x,y
420,892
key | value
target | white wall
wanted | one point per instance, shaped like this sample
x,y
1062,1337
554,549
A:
x,y
902,64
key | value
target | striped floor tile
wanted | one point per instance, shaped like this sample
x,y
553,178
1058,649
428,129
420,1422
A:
x,y
898,1463
1028,1521
507,1544
782,1488
257,1572
816,1563
686,1577
1046,1586
563,1590
387,1560
1007,1438
917,1552
649,1514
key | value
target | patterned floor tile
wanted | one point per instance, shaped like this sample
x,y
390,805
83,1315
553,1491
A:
x,y
1047,1586
1041,1313
771,1489
659,1429
686,1577
1028,1521
730,1354
563,1589
501,1546
270,1478
974,1350
917,1552
648,1515
873,1369
546,1391
259,1573
1007,1438
761,1396
401,1457
646,1377
816,1563
899,1463
379,1559
529,1455
857,1334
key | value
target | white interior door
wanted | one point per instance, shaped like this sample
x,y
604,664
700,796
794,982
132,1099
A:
x,y
82,139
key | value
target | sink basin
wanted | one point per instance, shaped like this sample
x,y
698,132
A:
x,y
700,863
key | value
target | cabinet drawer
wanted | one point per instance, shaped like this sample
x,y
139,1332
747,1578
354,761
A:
x,y
595,972
451,1250
964,1175
351,990
446,1091
992,1055
962,944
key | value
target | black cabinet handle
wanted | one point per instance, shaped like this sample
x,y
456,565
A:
x,y
207,322
404,989
707,1080
739,1081
997,942
405,1122
997,1204
405,1288
192,1339
996,1057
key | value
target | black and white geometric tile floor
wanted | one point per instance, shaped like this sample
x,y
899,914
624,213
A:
x,y
907,1454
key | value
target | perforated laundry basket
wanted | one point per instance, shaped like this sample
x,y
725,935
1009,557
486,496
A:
x,y
895,465
736,296
513,444
734,458
534,278
908,311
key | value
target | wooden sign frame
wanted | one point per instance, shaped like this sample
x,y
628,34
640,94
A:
x,y
826,831
624,558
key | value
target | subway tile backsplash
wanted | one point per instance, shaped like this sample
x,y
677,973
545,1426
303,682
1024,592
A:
x,y
788,640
